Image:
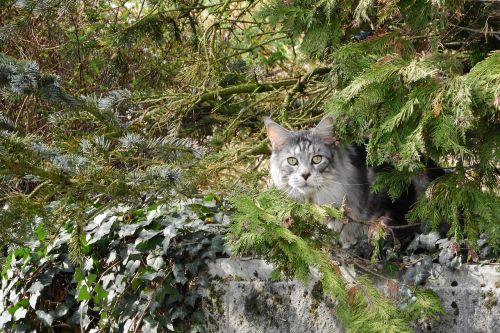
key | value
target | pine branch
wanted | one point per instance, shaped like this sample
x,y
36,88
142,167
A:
x,y
21,77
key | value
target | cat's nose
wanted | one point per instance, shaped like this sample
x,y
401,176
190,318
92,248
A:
x,y
305,175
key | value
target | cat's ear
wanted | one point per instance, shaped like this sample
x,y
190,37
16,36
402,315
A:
x,y
324,129
276,133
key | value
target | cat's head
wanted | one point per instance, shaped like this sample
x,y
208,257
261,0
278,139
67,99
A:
x,y
301,161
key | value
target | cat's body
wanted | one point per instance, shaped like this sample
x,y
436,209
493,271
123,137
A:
x,y
310,168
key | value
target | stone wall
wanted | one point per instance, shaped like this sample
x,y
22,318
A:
x,y
242,298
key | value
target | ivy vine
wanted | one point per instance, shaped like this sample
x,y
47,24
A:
x,y
140,270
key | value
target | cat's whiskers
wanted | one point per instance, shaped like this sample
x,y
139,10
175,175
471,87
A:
x,y
325,193
289,191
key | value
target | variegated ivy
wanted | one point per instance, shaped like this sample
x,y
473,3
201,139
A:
x,y
140,270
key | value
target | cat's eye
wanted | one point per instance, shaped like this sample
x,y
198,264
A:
x,y
317,159
292,161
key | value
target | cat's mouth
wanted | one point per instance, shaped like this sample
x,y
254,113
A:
x,y
306,189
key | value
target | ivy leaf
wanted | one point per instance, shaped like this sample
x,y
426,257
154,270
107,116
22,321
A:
x,y
33,299
66,266
152,214
120,283
100,294
210,253
45,317
78,276
102,231
203,280
179,312
5,318
145,235
88,265
74,318
191,300
217,244
84,318
128,325
61,310
91,278
36,287
22,303
129,251
168,233
63,238
11,284
20,313
111,257
106,279
155,262
150,325
40,232
198,316
83,294
132,266
128,229
195,249
46,278
97,221
150,276
179,273
86,321
192,267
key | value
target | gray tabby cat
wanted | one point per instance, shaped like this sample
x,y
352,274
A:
x,y
310,168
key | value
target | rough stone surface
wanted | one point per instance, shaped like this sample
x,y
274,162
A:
x,y
242,298
470,298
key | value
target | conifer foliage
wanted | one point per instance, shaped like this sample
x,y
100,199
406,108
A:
x,y
295,238
109,104
114,165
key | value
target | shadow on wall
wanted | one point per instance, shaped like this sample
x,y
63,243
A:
x,y
242,298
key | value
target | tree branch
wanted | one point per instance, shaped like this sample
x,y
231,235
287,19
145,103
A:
x,y
254,88
484,32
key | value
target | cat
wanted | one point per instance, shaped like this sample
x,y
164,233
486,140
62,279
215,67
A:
x,y
309,167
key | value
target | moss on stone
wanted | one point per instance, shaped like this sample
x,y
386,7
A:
x,y
316,298
490,299
216,298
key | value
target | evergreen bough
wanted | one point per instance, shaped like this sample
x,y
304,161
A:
x,y
294,237
109,165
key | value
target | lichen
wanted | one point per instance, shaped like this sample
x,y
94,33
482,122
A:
x,y
490,299
316,298
216,298
262,305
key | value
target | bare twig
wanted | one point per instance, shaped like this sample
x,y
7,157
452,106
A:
x,y
484,32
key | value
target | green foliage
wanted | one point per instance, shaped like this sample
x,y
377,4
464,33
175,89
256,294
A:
x,y
113,165
470,210
294,238
109,103
439,112
315,23
139,269
249,235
